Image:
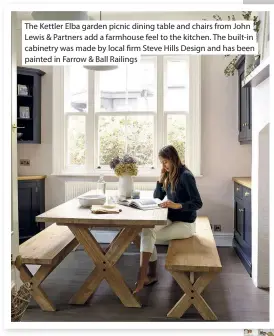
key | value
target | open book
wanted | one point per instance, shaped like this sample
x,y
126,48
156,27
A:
x,y
142,204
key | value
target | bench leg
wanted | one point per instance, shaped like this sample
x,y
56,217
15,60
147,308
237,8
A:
x,y
192,296
35,280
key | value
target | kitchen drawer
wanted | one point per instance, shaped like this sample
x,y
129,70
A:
x,y
238,190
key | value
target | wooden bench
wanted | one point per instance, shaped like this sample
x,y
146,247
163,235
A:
x,y
47,249
197,254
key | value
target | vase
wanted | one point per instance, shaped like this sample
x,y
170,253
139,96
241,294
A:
x,y
125,186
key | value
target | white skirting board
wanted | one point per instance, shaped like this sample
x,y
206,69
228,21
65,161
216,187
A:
x,y
105,237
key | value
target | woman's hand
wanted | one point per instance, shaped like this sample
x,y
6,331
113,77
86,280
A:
x,y
170,204
162,175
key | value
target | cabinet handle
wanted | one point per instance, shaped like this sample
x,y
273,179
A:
x,y
36,189
243,124
247,193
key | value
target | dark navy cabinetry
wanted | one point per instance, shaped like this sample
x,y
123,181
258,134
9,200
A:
x,y
31,203
29,105
244,106
242,241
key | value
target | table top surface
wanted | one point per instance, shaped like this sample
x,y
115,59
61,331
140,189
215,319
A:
x,y
71,213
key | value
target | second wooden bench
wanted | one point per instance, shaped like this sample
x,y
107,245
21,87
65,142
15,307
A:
x,y
195,255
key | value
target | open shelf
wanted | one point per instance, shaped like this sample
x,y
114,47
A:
x,y
29,104
25,119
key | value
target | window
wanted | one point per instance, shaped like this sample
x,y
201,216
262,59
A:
x,y
135,109
176,102
125,113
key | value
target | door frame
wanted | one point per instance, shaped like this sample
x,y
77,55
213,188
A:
x,y
14,229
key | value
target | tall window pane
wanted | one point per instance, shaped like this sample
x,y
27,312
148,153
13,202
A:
x,y
126,134
111,135
129,88
76,89
76,140
176,86
176,133
140,139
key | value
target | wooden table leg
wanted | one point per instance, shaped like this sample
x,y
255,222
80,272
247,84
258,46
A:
x,y
192,296
114,241
104,265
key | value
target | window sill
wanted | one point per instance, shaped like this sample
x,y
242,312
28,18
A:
x,y
155,174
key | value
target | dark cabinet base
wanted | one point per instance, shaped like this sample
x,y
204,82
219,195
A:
x,y
243,257
31,203
242,241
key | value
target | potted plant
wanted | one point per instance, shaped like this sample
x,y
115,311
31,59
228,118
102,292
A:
x,y
251,61
125,168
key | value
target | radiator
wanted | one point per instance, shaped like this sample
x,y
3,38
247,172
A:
x,y
76,188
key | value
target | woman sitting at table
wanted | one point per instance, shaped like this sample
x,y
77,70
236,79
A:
x,y
183,200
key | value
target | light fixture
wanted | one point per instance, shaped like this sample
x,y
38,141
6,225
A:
x,y
59,15
101,67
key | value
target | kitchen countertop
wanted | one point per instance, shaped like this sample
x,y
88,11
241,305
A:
x,y
244,181
31,177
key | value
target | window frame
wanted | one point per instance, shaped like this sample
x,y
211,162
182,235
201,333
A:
x,y
193,122
98,113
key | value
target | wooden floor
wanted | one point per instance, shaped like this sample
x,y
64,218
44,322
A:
x,y
231,295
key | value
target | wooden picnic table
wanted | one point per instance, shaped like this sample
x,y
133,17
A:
x,y
130,223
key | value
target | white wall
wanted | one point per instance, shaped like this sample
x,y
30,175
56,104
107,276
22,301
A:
x,y
222,155
260,184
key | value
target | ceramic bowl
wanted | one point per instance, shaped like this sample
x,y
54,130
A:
x,y
89,200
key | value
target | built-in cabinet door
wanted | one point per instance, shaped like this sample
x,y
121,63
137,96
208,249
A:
x,y
242,224
247,221
239,213
244,106
28,207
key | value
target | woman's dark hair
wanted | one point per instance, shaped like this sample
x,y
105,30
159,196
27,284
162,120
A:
x,y
173,176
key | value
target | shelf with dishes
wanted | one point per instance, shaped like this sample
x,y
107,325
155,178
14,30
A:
x,y
29,105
